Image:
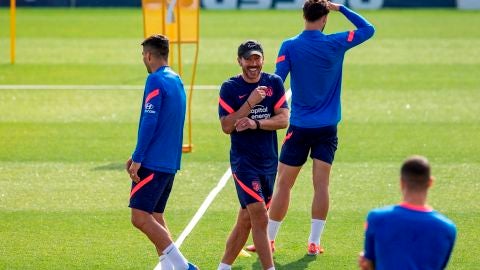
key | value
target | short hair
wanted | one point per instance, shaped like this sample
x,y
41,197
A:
x,y
315,9
157,45
415,173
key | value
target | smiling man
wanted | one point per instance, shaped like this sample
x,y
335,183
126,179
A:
x,y
252,106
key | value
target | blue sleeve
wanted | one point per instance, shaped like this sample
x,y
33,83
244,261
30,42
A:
x,y
224,102
369,245
280,94
364,31
282,66
453,236
152,102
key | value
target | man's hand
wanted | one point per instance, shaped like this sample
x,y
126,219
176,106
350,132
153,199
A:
x,y
245,123
132,170
257,95
364,263
333,6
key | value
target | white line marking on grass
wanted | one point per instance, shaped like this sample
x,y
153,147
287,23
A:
x,y
211,196
203,207
90,87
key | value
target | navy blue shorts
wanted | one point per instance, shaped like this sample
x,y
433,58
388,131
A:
x,y
321,143
152,192
252,188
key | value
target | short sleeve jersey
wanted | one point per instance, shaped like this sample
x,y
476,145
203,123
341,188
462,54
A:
x,y
253,151
408,237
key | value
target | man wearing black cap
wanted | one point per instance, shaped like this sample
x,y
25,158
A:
x,y
252,106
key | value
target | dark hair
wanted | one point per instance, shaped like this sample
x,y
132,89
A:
x,y
157,45
314,9
415,172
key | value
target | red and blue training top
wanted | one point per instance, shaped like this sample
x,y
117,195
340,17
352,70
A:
x,y
254,151
160,131
408,237
314,61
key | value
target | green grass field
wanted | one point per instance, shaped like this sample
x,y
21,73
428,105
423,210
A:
x,y
413,89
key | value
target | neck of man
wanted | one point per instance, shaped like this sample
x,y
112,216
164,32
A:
x,y
155,65
316,25
415,198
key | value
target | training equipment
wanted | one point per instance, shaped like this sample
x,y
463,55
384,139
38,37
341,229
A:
x,y
179,21
244,254
252,248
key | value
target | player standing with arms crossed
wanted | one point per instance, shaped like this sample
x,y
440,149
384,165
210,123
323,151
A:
x,y
158,153
252,106
314,61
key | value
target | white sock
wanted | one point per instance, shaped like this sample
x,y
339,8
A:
x,y
224,266
271,268
273,227
164,264
175,257
316,231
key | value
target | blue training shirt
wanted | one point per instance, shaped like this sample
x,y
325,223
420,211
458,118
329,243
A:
x,y
407,237
160,131
253,151
314,61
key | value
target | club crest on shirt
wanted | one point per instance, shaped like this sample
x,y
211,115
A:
x,y
269,91
256,185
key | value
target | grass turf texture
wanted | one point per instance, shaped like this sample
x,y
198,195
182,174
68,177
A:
x,y
63,192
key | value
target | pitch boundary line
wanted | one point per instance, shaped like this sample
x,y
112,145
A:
x,y
211,196
89,87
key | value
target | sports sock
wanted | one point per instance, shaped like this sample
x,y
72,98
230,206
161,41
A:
x,y
273,227
224,266
175,257
271,268
164,264
316,230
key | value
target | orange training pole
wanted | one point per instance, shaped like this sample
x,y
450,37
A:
x,y
12,30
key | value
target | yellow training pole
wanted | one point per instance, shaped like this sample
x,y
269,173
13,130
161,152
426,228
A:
x,y
12,30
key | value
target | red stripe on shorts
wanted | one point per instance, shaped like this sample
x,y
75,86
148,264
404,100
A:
x,y
141,184
247,189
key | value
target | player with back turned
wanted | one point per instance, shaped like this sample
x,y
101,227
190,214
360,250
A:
x,y
158,152
314,61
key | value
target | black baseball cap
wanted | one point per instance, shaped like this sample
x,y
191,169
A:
x,y
248,48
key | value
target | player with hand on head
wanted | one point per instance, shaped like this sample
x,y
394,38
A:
x,y
314,61
410,235
158,152
252,106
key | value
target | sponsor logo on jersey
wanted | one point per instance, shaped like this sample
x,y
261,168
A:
x,y
260,112
149,108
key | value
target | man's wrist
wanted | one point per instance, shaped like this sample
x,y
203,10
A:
x,y
257,123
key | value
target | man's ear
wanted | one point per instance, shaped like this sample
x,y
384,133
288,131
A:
x,y
239,61
430,181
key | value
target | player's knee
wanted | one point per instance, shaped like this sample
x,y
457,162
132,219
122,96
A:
x,y
138,221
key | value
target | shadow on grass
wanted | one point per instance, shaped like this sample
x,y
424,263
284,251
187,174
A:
x,y
110,167
299,264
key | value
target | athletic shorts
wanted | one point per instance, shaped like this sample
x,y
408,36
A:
x,y
152,192
252,188
321,143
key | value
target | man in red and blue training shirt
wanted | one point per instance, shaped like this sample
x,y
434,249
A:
x,y
314,61
410,235
252,106
157,155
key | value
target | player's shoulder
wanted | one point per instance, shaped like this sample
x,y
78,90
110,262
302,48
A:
x,y
271,76
232,81
444,220
381,212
